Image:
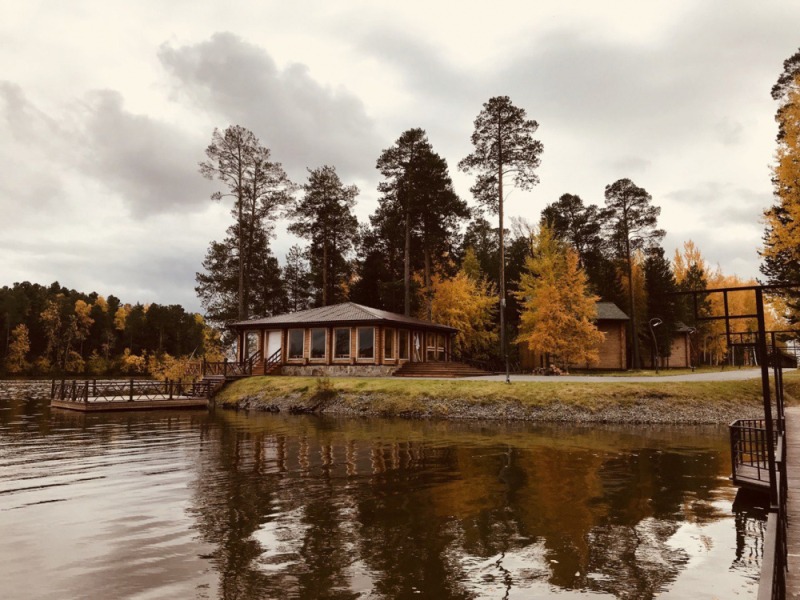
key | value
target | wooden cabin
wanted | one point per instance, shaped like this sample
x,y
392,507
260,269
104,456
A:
x,y
343,339
612,322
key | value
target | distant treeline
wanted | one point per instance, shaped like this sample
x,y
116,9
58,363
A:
x,y
52,329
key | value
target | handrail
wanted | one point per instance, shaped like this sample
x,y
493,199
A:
x,y
274,359
130,390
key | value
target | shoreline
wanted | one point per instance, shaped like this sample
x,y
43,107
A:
x,y
619,402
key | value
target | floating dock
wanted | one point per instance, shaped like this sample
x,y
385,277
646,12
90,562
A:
x,y
104,396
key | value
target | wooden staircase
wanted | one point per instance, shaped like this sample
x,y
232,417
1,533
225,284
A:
x,y
439,369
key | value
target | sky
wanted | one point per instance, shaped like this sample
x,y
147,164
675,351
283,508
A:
x,y
106,108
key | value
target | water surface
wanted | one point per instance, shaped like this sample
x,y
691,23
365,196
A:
x,y
230,505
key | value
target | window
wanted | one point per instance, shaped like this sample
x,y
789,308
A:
x,y
318,338
341,343
388,343
296,342
366,342
403,345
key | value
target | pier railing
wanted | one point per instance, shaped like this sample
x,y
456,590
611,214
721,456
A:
x,y
228,368
127,391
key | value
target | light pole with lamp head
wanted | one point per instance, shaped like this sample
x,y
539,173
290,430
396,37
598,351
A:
x,y
655,322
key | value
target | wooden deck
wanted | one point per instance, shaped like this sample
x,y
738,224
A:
x,y
793,508
102,405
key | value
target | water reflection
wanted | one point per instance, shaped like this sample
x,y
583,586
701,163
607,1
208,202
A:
x,y
270,506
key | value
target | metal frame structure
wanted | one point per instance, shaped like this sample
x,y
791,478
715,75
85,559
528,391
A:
x,y
755,443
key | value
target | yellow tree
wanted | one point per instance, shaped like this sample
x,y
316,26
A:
x,y
558,311
781,250
469,304
18,349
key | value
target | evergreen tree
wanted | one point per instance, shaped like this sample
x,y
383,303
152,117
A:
x,y
297,279
503,146
417,195
662,303
630,225
324,216
259,187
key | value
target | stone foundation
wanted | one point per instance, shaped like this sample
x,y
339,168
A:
x,y
339,370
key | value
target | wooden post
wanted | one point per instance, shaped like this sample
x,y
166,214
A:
x,y
63,389
169,388
203,368
225,367
130,394
180,387
86,391
53,389
94,387
72,396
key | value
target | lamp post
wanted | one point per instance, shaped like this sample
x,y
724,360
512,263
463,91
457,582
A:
x,y
655,322
691,332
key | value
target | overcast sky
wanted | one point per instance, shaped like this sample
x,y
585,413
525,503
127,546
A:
x,y
106,108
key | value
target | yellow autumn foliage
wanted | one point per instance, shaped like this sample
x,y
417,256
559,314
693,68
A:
x,y
469,304
558,311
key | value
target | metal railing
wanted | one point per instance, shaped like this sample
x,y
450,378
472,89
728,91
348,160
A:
x,y
127,391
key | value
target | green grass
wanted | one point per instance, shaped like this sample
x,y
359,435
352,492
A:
x,y
401,396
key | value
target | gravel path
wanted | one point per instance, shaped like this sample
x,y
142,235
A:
x,y
727,375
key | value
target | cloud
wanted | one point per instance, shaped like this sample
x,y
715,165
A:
x,y
719,203
151,164
304,123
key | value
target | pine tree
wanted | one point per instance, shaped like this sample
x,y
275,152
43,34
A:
x,y
631,225
503,146
324,216
297,279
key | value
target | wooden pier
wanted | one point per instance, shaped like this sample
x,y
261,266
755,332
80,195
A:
x,y
793,503
103,396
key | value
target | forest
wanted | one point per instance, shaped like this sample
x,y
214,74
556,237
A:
x,y
426,252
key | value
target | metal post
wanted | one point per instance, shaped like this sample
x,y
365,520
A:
x,y
86,391
63,389
94,387
225,367
72,396
130,394
765,390
53,389
169,388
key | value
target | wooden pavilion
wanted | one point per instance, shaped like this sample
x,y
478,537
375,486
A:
x,y
343,339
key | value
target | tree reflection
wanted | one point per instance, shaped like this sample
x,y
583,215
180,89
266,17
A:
x,y
297,510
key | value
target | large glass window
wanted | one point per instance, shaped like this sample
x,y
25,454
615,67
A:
x,y
403,344
388,343
366,342
341,343
318,338
296,339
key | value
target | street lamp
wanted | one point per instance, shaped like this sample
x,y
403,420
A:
x,y
691,332
655,322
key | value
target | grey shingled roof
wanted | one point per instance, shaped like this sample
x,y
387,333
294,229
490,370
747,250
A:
x,y
608,311
345,313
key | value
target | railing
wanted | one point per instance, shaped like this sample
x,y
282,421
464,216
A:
x,y
749,452
127,391
273,360
227,368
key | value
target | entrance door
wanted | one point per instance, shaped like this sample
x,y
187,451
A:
x,y
273,343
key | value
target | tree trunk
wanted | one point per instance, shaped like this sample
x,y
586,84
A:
x,y
428,291
407,264
502,248
325,272
631,299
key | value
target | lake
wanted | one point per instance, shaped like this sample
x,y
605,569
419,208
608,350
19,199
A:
x,y
235,505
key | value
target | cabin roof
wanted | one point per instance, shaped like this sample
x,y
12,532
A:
x,y
608,311
347,313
